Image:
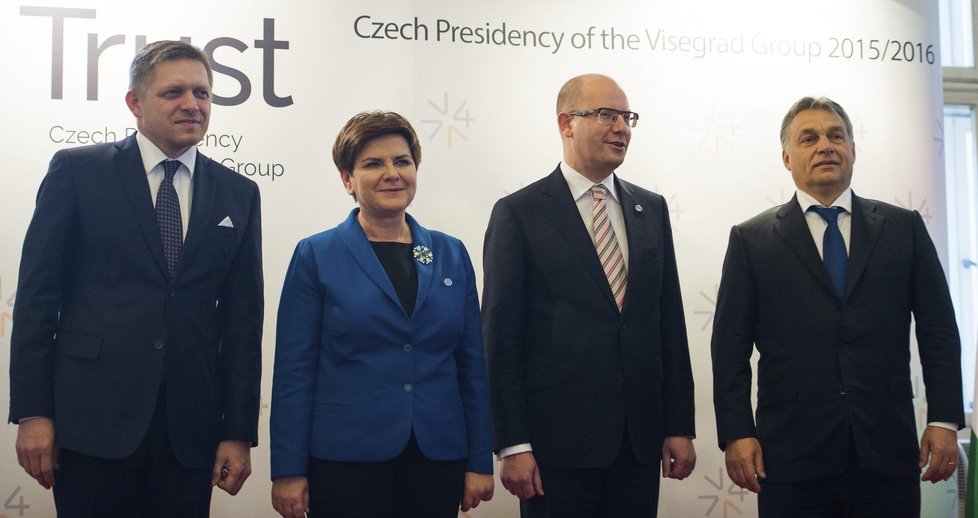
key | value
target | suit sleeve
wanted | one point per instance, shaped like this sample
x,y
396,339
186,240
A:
x,y
45,273
474,388
938,340
297,340
678,393
503,303
733,343
241,313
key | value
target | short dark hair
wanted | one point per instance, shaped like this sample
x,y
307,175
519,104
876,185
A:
x,y
366,126
811,103
144,63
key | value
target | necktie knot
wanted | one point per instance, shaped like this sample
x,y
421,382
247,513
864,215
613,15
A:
x,y
170,169
599,192
829,214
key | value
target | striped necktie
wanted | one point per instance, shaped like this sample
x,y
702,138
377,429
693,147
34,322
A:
x,y
606,244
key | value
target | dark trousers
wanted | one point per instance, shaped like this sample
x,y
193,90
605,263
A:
x,y
626,489
853,494
407,486
150,483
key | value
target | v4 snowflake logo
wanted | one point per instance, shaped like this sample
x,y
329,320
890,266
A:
x,y
726,503
449,120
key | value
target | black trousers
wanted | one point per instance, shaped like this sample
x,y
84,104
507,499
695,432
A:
x,y
407,486
150,483
853,494
626,489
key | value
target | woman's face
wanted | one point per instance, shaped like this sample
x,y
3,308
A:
x,y
384,177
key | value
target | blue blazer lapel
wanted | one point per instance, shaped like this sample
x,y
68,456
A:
x,y
356,242
865,233
421,237
132,177
200,212
791,226
562,208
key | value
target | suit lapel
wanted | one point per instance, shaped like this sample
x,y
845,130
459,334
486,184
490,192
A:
x,y
562,208
356,242
791,226
200,211
132,177
639,230
421,237
865,232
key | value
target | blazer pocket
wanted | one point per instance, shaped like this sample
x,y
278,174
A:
x,y
546,377
83,347
776,393
900,386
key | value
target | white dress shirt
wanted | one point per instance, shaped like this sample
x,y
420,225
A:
x,y
153,159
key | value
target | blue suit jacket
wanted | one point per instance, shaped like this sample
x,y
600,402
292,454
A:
x,y
355,374
97,315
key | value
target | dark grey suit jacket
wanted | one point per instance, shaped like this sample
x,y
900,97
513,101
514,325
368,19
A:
x,y
567,370
828,367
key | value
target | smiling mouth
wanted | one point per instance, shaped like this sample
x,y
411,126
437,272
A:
x,y
617,144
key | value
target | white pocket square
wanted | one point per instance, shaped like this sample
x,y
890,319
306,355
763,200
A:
x,y
226,222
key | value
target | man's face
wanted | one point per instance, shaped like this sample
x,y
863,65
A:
x,y
820,154
173,109
594,149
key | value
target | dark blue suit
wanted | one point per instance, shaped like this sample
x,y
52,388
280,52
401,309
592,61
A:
x,y
355,374
97,316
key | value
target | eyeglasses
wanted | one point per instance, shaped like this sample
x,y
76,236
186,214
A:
x,y
609,115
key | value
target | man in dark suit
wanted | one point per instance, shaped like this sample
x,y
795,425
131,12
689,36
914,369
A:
x,y
136,346
827,301
583,320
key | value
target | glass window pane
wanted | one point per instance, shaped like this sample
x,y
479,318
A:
x,y
961,173
957,40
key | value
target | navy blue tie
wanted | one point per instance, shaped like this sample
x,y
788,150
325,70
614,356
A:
x,y
834,248
168,216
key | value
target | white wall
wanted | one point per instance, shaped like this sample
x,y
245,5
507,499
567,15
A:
x,y
711,95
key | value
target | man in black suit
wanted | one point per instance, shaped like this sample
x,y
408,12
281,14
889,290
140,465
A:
x,y
136,346
827,301
586,348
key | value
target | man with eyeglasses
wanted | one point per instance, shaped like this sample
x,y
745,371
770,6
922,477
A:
x,y
583,320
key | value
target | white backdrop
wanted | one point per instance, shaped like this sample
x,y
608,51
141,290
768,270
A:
x,y
710,78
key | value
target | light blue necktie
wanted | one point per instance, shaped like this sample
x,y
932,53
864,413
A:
x,y
834,248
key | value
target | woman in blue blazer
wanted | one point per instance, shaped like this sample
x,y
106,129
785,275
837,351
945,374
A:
x,y
380,405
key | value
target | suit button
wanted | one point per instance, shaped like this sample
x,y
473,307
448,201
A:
x,y
842,391
171,293
448,282
408,348
158,345
621,376
408,387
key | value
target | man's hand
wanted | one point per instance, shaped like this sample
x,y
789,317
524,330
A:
x,y
232,466
36,452
678,457
744,463
290,496
521,475
478,488
940,445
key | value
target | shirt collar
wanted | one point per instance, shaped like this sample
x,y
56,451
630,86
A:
x,y
844,200
579,184
152,155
